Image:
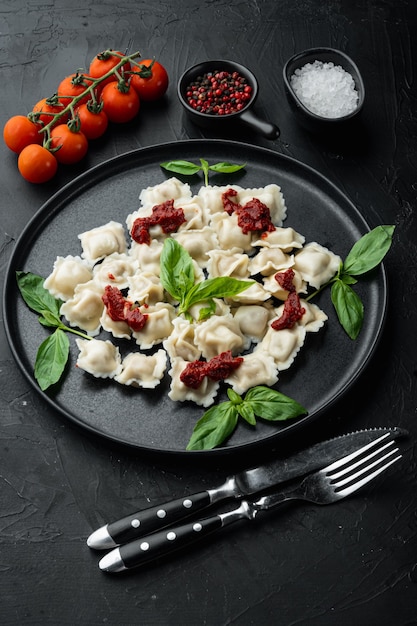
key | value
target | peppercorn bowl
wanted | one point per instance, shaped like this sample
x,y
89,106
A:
x,y
217,94
324,88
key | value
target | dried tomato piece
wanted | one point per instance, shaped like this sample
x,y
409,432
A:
x,y
114,302
285,279
164,215
254,215
293,311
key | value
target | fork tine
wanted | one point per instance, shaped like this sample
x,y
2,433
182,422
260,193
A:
x,y
348,469
367,467
354,487
350,457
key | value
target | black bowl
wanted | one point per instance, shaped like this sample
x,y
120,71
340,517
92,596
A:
x,y
326,55
223,122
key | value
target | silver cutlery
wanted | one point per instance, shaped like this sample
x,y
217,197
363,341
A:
x,y
242,484
336,481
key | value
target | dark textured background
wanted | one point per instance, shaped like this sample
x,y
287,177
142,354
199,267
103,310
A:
x,y
352,563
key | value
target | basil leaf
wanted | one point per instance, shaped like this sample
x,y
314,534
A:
x,y
369,250
181,167
272,405
226,168
51,359
247,412
220,287
207,311
35,295
50,319
216,425
177,269
349,308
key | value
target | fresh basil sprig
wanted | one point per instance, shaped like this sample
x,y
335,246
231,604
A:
x,y
364,256
187,168
53,353
177,278
219,422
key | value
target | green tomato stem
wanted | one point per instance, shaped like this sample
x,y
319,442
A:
x,y
90,89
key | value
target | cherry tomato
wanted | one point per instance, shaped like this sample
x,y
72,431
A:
x,y
121,102
103,63
152,80
19,132
72,86
47,110
73,144
93,122
36,164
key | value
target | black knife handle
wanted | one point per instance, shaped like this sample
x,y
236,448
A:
x,y
166,541
156,517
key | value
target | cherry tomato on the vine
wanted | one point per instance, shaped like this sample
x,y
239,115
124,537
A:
x,y
93,122
72,144
19,132
150,80
36,164
103,63
121,102
47,110
71,87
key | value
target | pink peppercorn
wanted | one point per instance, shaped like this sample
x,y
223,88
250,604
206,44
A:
x,y
219,93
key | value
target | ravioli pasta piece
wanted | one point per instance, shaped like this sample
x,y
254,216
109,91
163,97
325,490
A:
x,y
169,189
148,256
282,345
100,358
211,197
272,286
254,294
68,272
119,330
270,261
229,233
314,318
141,370
181,342
115,270
145,287
228,263
198,243
253,320
204,395
316,264
258,368
284,238
85,308
103,241
218,334
271,196
158,325
197,217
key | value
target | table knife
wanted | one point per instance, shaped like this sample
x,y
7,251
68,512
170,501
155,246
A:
x,y
245,483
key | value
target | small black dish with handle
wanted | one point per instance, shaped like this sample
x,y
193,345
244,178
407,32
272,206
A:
x,y
222,123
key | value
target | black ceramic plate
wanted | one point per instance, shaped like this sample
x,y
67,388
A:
x,y
324,369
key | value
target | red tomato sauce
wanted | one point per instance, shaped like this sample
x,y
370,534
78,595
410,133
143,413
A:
x,y
164,215
252,216
217,368
293,311
122,310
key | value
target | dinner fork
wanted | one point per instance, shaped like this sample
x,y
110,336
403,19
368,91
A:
x,y
332,483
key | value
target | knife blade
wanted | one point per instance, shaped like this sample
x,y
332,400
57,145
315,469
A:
x,y
243,484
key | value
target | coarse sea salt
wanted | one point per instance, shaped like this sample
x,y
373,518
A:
x,y
325,89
